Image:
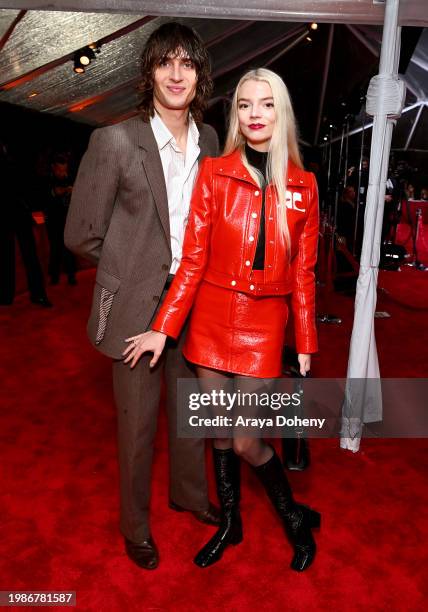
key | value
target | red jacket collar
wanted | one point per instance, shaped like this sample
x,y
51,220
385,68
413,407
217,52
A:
x,y
231,165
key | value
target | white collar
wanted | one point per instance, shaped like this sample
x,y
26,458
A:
x,y
163,136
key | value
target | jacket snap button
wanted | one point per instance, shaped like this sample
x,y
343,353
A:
x,y
248,262
301,181
233,283
254,215
252,287
256,193
156,298
165,267
289,180
251,238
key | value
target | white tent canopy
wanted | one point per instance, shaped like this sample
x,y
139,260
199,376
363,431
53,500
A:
x,y
411,12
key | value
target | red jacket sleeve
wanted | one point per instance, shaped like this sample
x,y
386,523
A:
x,y
178,302
303,296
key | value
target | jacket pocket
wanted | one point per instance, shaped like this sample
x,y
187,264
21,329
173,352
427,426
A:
x,y
107,280
109,286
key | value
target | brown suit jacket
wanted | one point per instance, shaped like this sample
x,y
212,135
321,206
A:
x,y
119,220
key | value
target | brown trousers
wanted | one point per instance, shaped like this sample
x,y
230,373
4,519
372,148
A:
x,y
137,394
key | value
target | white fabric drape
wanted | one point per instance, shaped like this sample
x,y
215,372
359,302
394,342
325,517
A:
x,y
385,100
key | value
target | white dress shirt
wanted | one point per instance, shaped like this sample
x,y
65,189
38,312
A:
x,y
180,170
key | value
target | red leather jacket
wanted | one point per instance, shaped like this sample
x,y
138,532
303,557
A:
x,y
221,238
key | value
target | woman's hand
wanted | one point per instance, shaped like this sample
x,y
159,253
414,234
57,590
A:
x,y
304,362
148,342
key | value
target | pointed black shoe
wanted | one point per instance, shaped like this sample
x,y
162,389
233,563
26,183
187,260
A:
x,y
227,473
298,519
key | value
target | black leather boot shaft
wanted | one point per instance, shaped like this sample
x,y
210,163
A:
x,y
227,473
298,519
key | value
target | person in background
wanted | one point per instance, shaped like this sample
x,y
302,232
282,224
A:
x,y
410,191
345,221
258,201
55,207
17,222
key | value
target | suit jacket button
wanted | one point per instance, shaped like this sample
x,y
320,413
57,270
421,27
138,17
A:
x,y
156,298
165,267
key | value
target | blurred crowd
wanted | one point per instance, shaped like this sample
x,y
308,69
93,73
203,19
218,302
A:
x,y
28,198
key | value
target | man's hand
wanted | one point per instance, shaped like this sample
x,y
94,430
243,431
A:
x,y
304,362
148,342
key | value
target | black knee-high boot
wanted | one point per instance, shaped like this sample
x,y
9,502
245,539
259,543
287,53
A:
x,y
298,519
227,473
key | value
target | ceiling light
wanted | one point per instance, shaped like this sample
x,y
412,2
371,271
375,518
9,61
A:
x,y
84,60
314,26
84,57
309,38
78,68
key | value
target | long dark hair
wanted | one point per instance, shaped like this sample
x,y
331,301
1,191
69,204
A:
x,y
167,40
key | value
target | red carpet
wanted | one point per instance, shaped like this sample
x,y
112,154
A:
x,y
59,493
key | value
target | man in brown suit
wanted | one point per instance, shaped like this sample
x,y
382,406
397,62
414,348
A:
x,y
128,211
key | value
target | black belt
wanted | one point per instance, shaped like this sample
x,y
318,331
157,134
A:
x,y
169,280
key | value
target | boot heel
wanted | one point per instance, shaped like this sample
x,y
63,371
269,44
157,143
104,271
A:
x,y
312,517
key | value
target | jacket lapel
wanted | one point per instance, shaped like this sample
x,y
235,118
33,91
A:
x,y
153,168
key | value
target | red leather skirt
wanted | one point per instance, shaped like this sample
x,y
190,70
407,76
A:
x,y
236,332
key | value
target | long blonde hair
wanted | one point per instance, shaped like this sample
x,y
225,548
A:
x,y
283,145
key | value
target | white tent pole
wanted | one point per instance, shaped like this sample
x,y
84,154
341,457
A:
x,y
363,402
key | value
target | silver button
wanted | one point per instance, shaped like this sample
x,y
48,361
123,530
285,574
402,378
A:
x,y
257,193
289,180
252,287
233,283
245,176
251,238
254,215
248,262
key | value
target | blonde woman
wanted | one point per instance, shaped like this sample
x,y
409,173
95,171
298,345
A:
x,y
251,239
